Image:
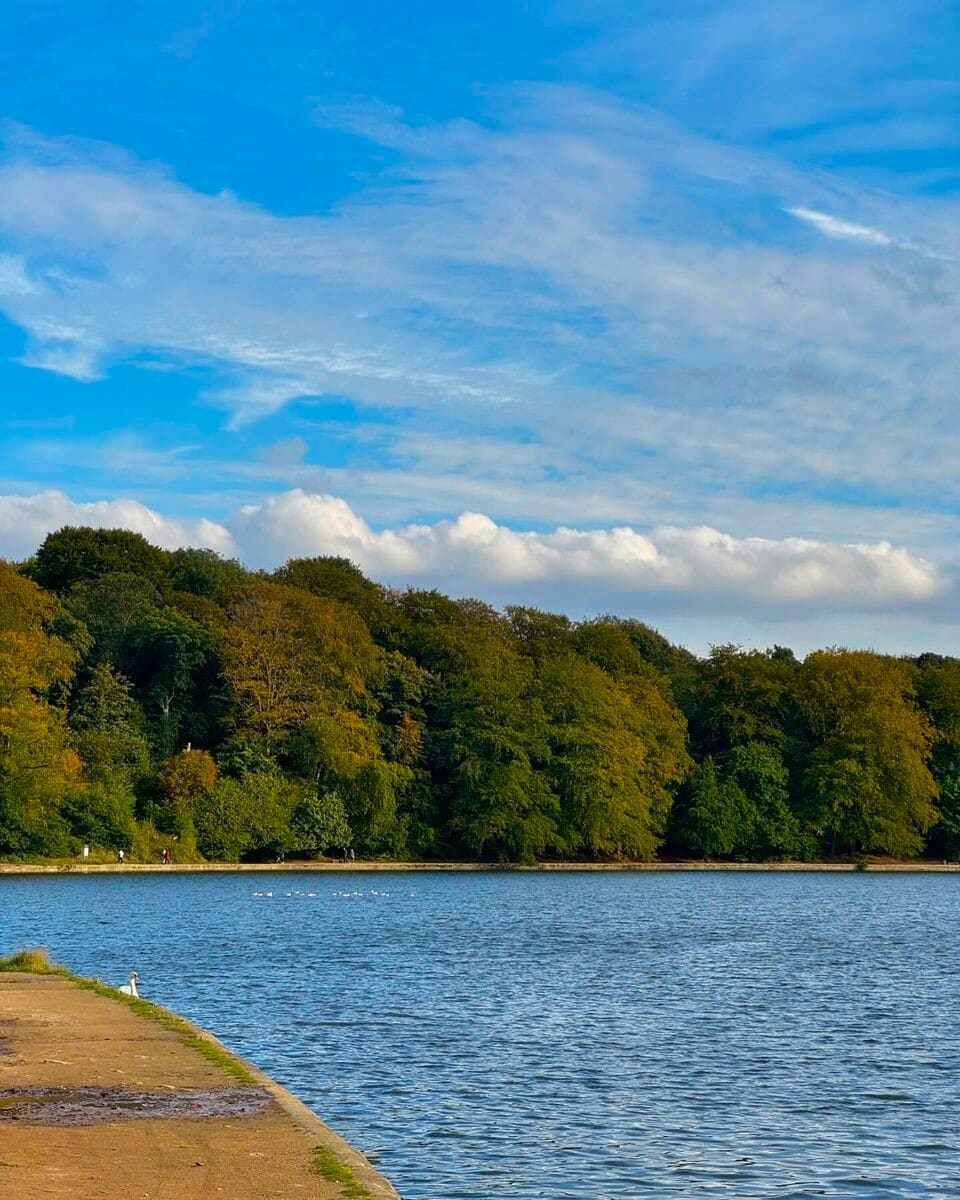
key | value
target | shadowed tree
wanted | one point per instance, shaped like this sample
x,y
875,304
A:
x,y
76,554
205,573
938,692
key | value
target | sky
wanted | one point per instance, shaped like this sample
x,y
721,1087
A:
x,y
638,307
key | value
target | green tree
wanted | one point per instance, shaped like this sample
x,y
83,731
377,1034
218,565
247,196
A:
x,y
540,634
938,693
617,754
248,817
205,573
108,733
108,730
403,697
718,816
771,829
320,823
77,553
489,730
186,780
243,754
173,659
109,607
39,772
867,787
741,696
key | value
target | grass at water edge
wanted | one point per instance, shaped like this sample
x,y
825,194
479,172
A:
x,y
37,962
326,1164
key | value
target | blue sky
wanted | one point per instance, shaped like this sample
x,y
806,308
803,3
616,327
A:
x,y
644,307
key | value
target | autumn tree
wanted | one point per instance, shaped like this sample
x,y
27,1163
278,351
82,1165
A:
x,y
334,578
339,752
186,780
38,769
287,653
617,752
866,784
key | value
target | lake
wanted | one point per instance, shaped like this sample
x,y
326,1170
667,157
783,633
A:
x,y
598,1036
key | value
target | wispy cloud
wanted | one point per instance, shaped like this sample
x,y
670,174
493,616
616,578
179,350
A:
x,y
834,227
578,305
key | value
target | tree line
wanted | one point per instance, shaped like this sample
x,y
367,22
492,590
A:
x,y
153,698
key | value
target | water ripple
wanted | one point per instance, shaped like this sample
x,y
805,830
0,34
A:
x,y
604,1037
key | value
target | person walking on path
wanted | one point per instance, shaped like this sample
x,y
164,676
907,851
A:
x,y
86,851
120,856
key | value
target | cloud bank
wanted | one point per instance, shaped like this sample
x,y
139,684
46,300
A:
x,y
699,569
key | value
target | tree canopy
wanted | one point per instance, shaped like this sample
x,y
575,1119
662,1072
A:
x,y
151,698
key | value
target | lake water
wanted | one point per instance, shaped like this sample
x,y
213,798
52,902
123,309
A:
x,y
598,1036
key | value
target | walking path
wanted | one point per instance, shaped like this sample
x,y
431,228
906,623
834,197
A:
x,y
103,1098
80,868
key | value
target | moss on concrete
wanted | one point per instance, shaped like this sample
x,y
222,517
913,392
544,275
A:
x,y
326,1164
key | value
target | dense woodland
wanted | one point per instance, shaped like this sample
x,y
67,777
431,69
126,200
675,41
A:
x,y
153,699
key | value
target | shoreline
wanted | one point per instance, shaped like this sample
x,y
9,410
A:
x,y
382,866
262,1139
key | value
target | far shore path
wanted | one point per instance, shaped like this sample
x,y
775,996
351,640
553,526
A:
x,y
81,868
98,1100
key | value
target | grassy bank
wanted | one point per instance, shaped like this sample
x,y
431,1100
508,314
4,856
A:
x,y
178,1051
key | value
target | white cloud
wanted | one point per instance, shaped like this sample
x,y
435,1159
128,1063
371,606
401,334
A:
x,y
697,568
26,520
836,228
699,564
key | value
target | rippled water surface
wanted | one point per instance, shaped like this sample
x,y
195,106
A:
x,y
599,1036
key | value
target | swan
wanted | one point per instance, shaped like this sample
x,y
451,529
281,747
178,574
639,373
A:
x,y
130,989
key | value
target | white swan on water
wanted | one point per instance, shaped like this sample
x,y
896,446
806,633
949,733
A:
x,y
130,989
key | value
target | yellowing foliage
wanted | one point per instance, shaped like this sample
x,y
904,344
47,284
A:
x,y
286,653
37,767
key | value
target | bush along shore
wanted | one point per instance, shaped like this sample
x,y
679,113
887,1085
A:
x,y
156,701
